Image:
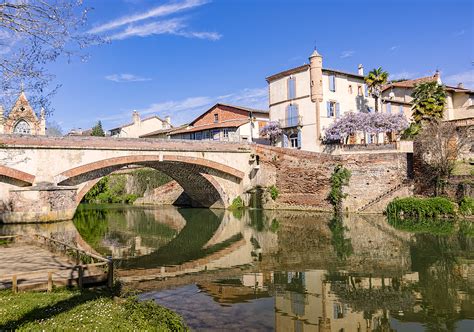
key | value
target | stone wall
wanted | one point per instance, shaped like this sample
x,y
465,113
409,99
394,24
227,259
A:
x,y
303,178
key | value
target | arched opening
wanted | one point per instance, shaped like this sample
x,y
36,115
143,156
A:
x,y
22,127
15,177
200,179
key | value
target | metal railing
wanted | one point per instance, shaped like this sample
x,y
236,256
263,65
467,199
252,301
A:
x,y
291,122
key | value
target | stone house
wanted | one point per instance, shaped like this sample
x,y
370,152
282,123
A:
x,y
22,119
396,97
139,127
224,123
307,99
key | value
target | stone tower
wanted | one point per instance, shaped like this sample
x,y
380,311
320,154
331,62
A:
x,y
316,79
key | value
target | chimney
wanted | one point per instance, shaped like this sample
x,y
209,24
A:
x,y
460,85
437,76
360,70
136,117
168,119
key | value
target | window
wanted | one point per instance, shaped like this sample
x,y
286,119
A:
x,y
198,135
366,90
292,115
225,133
350,89
216,118
294,140
22,127
215,135
359,90
291,88
332,83
333,109
206,134
400,110
388,106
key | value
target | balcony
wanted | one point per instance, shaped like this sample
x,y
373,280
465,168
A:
x,y
295,121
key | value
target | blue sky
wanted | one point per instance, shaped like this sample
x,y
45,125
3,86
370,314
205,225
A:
x,y
179,57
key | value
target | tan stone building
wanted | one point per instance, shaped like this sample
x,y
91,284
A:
x,y
22,119
309,98
396,98
141,127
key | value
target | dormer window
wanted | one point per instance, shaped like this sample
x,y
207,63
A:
x,y
216,118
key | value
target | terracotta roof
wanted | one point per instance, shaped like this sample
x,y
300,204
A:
x,y
248,109
224,124
162,131
306,67
410,83
142,120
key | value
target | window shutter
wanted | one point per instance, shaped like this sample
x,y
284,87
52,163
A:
x,y
332,83
285,141
366,90
389,108
299,138
291,88
328,104
401,109
338,111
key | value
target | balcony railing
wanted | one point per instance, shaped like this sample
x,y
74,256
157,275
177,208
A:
x,y
291,122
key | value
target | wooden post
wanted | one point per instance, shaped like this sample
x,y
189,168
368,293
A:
x,y
50,281
14,284
110,273
81,275
77,257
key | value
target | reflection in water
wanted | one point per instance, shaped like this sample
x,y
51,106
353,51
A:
x,y
285,270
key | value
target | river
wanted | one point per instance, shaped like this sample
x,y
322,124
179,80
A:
x,y
282,270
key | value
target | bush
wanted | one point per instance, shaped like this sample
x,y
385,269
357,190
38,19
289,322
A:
x,y
466,206
274,192
421,208
428,226
237,203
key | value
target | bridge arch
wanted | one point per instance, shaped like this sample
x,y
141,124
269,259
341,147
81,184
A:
x,y
197,176
15,177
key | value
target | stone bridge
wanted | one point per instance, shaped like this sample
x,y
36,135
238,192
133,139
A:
x,y
45,178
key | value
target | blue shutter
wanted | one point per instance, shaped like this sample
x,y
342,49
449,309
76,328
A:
x,y
332,83
366,90
328,105
299,139
389,108
338,111
291,88
285,141
401,109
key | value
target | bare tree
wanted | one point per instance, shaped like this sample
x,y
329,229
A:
x,y
440,144
34,33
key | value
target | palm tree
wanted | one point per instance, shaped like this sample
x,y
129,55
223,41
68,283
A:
x,y
376,78
429,99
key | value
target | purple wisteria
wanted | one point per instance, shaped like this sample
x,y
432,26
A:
x,y
271,131
371,123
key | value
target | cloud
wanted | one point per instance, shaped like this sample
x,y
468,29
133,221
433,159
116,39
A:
x,y
347,54
403,75
466,77
185,110
125,78
143,25
459,33
162,10
394,47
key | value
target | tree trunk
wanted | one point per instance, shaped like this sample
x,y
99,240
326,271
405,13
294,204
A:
x,y
376,104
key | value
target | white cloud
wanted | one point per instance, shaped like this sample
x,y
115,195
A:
x,y
403,75
394,47
459,33
160,11
143,25
466,77
185,110
125,78
347,54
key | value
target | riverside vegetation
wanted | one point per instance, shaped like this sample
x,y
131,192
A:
x,y
88,310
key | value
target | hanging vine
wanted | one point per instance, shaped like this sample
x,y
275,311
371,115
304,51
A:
x,y
340,177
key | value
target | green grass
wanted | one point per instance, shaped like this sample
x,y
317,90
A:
x,y
463,168
69,310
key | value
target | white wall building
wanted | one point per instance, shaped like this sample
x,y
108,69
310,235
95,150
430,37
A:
x,y
307,99
140,127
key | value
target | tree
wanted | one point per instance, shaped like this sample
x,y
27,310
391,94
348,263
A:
x,y
376,78
272,131
97,130
34,33
429,99
53,129
439,145
373,123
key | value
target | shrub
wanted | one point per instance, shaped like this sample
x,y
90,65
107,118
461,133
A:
x,y
428,226
237,203
421,208
466,206
340,177
274,192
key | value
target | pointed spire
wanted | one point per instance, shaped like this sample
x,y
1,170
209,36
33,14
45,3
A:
x,y
315,53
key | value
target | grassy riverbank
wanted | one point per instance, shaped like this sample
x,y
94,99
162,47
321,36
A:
x,y
89,310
